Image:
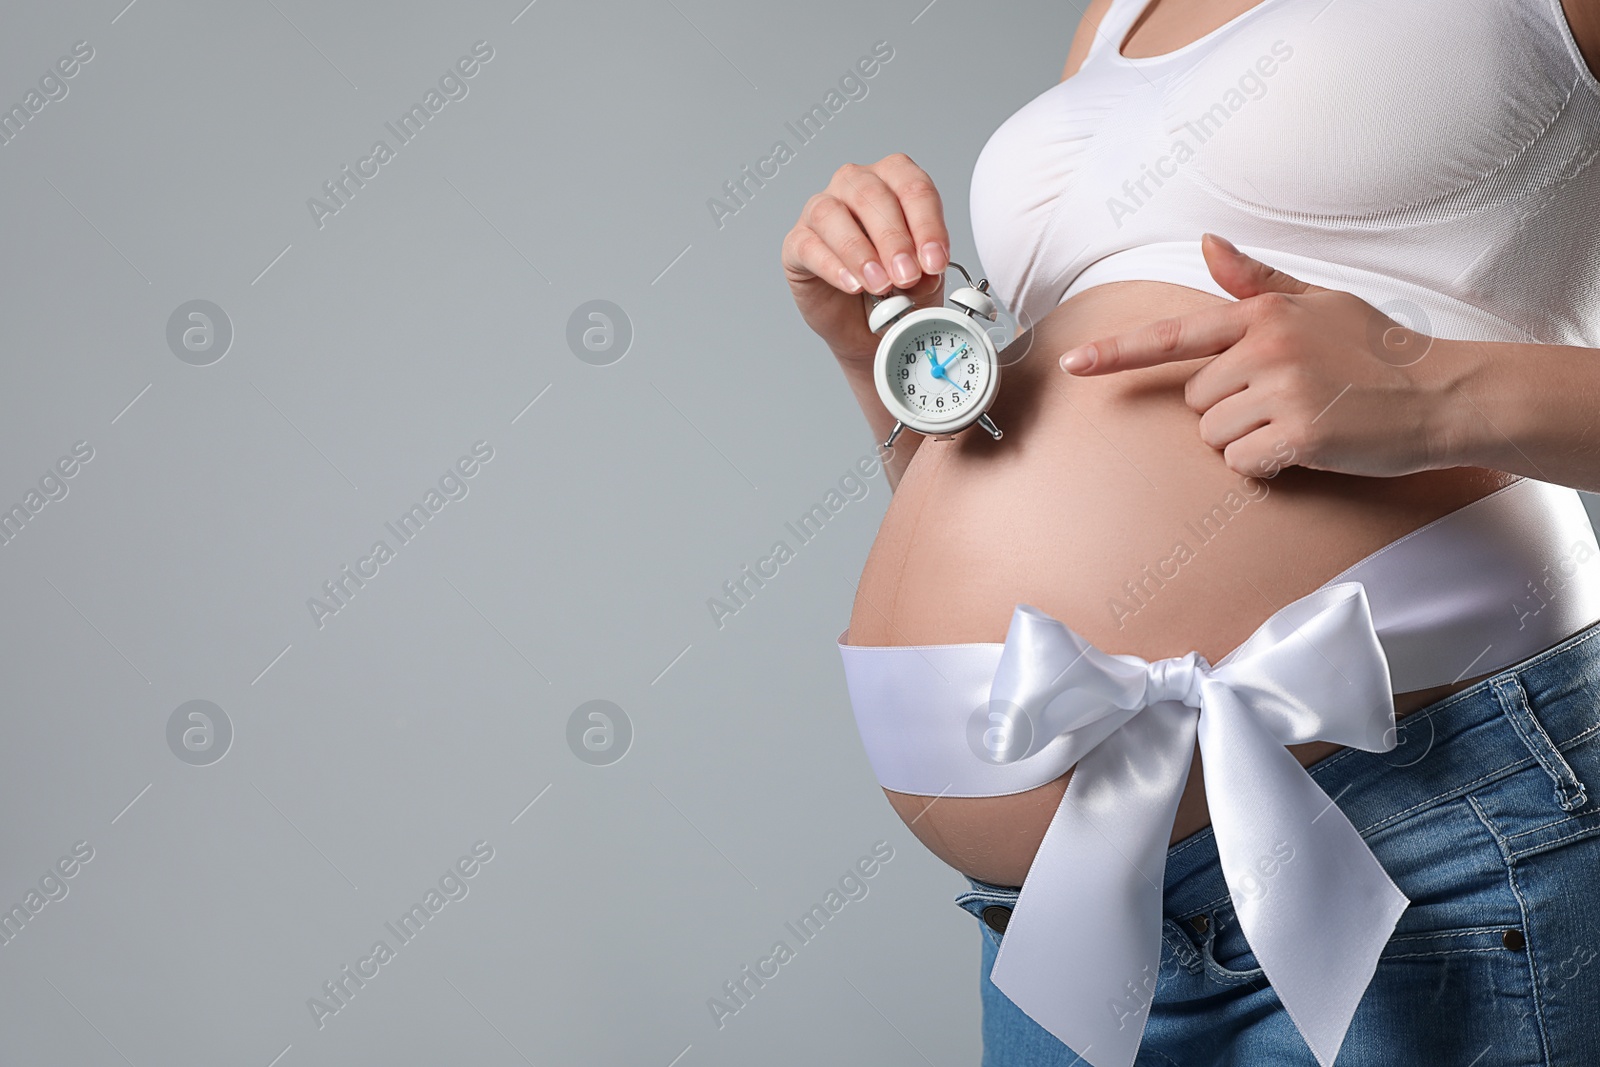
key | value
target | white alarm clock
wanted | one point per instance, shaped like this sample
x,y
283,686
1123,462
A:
x,y
936,369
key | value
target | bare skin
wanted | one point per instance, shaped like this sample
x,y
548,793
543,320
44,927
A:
x,y
1098,477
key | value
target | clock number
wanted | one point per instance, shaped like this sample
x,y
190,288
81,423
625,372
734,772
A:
x,y
938,339
972,368
911,389
939,402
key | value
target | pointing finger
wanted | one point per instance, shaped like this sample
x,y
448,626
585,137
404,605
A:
x,y
1200,333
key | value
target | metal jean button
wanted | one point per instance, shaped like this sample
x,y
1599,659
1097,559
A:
x,y
996,917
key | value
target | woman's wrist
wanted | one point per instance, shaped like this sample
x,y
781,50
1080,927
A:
x,y
1487,402
854,360
1450,378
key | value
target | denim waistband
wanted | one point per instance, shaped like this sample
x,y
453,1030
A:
x,y
1526,713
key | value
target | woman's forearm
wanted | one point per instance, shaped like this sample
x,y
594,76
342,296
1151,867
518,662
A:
x,y
1528,409
858,372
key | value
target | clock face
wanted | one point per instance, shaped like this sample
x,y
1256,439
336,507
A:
x,y
938,370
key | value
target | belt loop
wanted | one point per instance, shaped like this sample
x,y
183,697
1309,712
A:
x,y
1570,792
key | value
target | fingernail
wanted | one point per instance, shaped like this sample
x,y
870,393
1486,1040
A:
x,y
875,277
934,259
1224,242
849,281
905,269
1077,359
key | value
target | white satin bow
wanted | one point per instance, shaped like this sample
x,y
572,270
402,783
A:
x,y
1083,945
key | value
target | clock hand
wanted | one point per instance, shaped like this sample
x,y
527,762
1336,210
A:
x,y
946,363
938,368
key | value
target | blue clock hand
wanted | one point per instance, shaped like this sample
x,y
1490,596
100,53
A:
x,y
939,368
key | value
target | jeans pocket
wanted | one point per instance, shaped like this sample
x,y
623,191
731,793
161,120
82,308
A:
x,y
991,905
1221,945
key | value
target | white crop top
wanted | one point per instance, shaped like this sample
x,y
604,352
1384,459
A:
x,y
1438,161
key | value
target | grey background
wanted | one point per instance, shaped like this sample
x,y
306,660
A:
x,y
367,357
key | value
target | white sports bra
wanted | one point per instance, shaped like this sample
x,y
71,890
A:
x,y
1438,161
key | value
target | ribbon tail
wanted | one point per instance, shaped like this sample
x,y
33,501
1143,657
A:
x,y
1082,949
1312,899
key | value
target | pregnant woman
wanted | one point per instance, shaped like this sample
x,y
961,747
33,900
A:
x,y
1253,678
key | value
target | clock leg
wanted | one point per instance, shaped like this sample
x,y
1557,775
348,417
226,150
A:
x,y
988,424
898,426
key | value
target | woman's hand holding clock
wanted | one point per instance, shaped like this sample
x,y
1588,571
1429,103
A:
x,y
876,229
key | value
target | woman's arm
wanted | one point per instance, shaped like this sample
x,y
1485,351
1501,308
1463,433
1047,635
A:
x,y
874,230
1088,26
1349,390
854,352
1524,408
1583,17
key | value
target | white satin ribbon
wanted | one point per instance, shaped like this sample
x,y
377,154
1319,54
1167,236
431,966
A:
x,y
1471,593
1083,944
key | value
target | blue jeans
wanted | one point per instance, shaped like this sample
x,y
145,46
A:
x,y
1487,815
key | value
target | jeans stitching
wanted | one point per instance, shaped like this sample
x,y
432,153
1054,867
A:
x,y
1205,833
1476,931
1522,908
1456,791
1533,962
1586,832
1516,669
1163,1056
1588,817
1494,831
1252,977
1181,948
1513,698
1520,764
1227,975
1526,761
1200,834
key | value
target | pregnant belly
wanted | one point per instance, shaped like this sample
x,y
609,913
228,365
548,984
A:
x,y
1102,507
